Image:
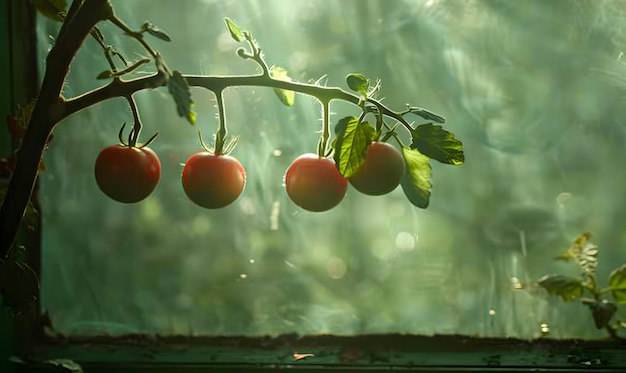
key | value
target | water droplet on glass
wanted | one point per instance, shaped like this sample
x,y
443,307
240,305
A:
x,y
224,42
247,206
517,284
562,198
381,250
336,268
405,241
274,215
200,225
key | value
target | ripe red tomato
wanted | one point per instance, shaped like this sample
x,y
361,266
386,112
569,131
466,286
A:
x,y
213,181
127,174
314,183
381,172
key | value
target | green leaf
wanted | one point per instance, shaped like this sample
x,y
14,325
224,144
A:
x,y
53,9
427,114
179,89
236,32
438,144
587,258
568,288
602,312
416,181
358,83
370,132
155,31
352,140
285,96
617,282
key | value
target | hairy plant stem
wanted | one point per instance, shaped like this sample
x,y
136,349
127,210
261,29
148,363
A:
x,y
137,35
322,148
216,84
134,133
220,134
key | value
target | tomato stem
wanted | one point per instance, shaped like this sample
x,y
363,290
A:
x,y
121,134
202,143
220,134
134,133
256,54
325,136
150,140
134,34
134,66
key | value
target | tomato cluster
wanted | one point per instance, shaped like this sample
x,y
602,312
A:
x,y
314,184
129,174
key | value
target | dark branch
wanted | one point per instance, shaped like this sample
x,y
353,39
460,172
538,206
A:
x,y
45,115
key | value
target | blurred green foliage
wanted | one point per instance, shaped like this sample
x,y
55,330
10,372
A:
x,y
533,88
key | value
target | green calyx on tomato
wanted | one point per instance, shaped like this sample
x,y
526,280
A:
x,y
314,184
381,172
213,180
127,174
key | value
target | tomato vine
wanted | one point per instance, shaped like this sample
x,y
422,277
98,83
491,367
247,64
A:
x,y
80,21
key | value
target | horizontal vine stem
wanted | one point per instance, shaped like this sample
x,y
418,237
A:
x,y
117,88
121,88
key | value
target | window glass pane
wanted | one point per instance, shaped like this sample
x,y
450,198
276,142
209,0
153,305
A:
x,y
534,89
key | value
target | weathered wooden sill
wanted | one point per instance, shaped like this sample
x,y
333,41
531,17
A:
x,y
366,353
